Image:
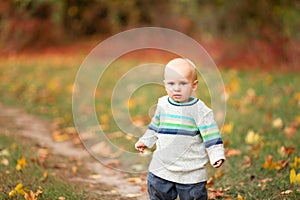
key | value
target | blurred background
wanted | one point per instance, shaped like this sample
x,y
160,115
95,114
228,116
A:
x,y
263,34
255,44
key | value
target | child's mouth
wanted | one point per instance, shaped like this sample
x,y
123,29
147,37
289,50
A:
x,y
177,96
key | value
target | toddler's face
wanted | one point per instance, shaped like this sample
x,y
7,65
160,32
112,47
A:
x,y
179,81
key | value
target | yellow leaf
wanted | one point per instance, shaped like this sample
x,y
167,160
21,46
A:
x,y
252,137
227,128
234,84
131,103
19,189
58,136
21,163
297,96
104,118
12,193
269,79
240,197
296,163
294,178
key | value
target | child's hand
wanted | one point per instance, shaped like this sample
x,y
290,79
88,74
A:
x,y
218,163
140,146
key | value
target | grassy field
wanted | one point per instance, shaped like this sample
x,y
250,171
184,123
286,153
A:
x,y
261,131
23,170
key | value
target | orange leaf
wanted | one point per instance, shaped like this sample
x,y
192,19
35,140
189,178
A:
x,y
286,151
232,152
268,163
290,131
30,196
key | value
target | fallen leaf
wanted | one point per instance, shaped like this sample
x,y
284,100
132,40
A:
x,y
296,163
21,163
95,176
45,176
133,195
227,128
58,136
214,194
4,152
277,123
270,164
104,118
134,180
4,162
263,183
30,196
139,121
286,192
290,131
232,152
286,151
74,169
131,103
247,163
240,197
297,118
294,178
18,190
252,137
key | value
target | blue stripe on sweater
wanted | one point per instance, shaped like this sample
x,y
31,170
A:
x,y
178,132
212,142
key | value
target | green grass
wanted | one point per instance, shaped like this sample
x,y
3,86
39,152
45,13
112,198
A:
x,y
32,175
44,87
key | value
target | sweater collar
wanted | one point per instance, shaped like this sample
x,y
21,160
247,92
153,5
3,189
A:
x,y
191,101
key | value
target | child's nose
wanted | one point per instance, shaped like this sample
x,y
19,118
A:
x,y
176,87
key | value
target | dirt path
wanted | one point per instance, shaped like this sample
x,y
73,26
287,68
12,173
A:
x,y
39,130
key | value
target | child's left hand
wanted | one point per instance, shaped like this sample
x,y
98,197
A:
x,y
218,163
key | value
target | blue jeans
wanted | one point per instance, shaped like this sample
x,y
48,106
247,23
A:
x,y
160,189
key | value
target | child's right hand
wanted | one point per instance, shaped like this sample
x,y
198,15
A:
x,y
140,146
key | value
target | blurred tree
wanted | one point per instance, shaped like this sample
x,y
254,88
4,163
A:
x,y
25,23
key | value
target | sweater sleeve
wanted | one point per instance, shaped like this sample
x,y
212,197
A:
x,y
211,137
150,136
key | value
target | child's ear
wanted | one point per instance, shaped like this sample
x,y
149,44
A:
x,y
195,85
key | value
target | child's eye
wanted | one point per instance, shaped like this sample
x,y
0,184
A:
x,y
183,83
170,83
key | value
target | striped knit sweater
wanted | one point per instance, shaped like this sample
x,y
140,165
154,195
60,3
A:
x,y
186,137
